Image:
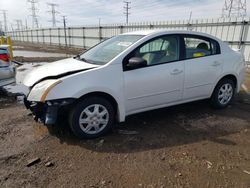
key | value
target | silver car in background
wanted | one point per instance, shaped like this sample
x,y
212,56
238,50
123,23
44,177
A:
x,y
7,68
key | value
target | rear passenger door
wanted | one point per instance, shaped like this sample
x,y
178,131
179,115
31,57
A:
x,y
203,65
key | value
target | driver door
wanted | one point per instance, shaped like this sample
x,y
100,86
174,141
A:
x,y
160,82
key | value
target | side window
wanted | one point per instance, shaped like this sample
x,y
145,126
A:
x,y
154,46
196,47
160,50
199,47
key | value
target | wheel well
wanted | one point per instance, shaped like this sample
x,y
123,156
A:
x,y
231,77
103,95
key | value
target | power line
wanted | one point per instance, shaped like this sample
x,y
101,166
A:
x,y
127,8
234,8
34,13
5,19
53,13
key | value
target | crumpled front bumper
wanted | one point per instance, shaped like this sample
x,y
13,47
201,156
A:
x,y
48,112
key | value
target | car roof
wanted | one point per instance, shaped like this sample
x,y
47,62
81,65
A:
x,y
166,31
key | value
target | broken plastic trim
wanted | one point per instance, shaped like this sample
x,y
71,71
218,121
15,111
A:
x,y
48,112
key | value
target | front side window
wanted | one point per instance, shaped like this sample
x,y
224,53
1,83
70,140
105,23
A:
x,y
161,50
109,49
200,47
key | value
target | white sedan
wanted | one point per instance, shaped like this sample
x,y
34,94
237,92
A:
x,y
132,73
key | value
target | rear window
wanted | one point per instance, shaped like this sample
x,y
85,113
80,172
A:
x,y
196,47
3,51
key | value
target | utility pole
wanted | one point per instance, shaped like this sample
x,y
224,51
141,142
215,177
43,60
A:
x,y
64,26
190,17
5,19
26,24
53,13
34,13
99,19
12,29
234,8
19,24
127,8
189,24
1,27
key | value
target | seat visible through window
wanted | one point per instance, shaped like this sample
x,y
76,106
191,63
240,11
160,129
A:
x,y
196,47
161,50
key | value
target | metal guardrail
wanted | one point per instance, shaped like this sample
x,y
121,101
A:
x,y
234,31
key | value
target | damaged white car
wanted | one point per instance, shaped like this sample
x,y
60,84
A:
x,y
132,73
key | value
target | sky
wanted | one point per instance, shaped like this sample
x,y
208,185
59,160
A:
x,y
88,12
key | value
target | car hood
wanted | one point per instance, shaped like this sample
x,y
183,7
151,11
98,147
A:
x,y
56,70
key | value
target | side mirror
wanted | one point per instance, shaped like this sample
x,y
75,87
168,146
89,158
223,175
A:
x,y
136,62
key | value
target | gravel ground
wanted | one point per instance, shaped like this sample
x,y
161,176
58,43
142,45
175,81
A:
x,y
190,145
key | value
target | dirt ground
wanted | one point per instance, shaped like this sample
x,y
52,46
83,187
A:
x,y
17,45
190,145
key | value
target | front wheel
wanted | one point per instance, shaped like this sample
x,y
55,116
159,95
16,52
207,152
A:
x,y
223,94
92,117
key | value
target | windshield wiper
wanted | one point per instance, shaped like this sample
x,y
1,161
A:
x,y
82,59
77,56
85,60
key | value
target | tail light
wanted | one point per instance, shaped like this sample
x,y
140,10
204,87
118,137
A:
x,y
5,57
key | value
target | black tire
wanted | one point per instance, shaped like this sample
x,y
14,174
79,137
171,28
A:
x,y
79,108
215,102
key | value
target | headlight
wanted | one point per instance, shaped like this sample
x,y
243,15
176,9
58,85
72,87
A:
x,y
43,88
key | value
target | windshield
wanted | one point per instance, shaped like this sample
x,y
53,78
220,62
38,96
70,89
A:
x,y
107,50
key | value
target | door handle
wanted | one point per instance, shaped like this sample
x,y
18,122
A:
x,y
216,63
176,71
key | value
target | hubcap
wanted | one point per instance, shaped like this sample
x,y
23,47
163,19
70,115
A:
x,y
225,94
94,119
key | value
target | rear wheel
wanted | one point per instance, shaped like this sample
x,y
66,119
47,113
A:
x,y
223,93
92,117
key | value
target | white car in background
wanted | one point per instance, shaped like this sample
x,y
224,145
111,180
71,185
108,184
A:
x,y
132,73
7,68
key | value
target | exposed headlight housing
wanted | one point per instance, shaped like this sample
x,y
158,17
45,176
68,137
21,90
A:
x,y
41,90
